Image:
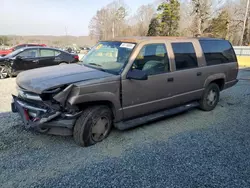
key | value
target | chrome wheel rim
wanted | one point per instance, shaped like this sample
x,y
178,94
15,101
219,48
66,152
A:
x,y
3,72
100,129
211,97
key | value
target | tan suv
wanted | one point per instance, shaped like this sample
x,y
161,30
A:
x,y
124,83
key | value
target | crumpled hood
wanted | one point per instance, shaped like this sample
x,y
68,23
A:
x,y
38,80
2,59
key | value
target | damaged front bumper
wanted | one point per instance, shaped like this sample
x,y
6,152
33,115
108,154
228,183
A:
x,y
43,118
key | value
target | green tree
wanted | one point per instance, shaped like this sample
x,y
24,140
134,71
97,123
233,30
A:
x,y
153,27
169,17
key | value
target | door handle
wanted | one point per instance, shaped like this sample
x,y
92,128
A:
x,y
170,79
199,74
35,61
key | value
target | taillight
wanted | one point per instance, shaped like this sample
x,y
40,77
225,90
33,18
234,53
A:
x,y
76,57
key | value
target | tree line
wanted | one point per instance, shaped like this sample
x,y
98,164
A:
x,y
207,18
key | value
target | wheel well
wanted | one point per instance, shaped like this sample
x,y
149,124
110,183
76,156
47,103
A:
x,y
85,105
220,82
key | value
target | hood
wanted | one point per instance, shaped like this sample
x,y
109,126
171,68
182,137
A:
x,y
2,59
38,80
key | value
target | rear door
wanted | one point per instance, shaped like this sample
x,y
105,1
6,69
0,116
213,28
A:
x,y
47,57
188,74
27,59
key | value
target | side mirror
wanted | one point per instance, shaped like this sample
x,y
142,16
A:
x,y
19,57
136,74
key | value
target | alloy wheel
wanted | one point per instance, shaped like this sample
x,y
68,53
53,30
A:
x,y
211,97
100,129
3,72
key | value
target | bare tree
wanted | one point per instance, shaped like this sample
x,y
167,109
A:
x,y
202,13
109,21
143,16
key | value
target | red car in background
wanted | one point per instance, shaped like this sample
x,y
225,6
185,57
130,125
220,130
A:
x,y
14,48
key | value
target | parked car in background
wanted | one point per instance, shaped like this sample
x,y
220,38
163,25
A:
x,y
84,50
124,83
33,57
6,52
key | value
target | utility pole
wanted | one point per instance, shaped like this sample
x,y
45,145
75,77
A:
x,y
66,34
113,29
245,21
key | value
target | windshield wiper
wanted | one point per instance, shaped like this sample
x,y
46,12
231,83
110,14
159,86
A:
x,y
95,64
98,67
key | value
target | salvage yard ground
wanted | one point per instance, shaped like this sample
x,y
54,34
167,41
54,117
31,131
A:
x,y
193,149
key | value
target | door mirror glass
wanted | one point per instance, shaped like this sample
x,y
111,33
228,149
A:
x,y
19,57
136,74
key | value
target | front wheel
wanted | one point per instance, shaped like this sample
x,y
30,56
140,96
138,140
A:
x,y
3,72
93,125
210,97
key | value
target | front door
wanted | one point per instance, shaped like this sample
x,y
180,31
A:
x,y
141,97
27,59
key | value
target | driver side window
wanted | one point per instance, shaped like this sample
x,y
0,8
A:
x,y
31,53
152,59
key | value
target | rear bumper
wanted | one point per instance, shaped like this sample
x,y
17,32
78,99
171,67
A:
x,y
39,118
230,84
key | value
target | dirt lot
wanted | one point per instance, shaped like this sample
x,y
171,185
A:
x,y
194,149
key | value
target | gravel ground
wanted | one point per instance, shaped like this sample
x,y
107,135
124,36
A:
x,y
193,149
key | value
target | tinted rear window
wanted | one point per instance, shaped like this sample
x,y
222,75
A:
x,y
185,56
218,52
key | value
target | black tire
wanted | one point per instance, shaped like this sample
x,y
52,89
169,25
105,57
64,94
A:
x,y
205,103
83,132
63,63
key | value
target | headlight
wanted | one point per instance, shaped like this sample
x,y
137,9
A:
x,y
27,95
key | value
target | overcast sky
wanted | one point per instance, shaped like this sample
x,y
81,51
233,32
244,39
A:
x,y
50,17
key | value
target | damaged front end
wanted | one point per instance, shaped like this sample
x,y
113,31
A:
x,y
48,112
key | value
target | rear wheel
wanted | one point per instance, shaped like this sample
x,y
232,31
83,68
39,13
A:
x,y
93,125
210,97
3,72
63,63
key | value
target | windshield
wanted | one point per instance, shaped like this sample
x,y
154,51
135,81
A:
x,y
14,53
108,56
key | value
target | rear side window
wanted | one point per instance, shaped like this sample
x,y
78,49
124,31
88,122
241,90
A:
x,y
218,52
185,56
47,53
